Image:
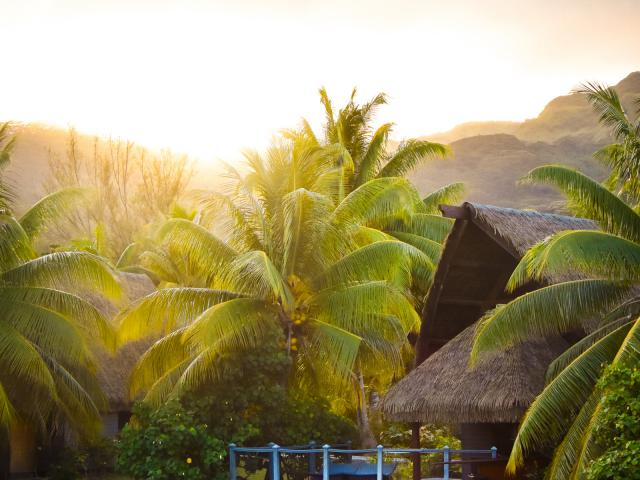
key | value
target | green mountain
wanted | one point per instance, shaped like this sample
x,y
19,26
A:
x,y
491,156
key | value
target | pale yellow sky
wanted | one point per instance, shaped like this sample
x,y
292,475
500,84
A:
x,y
212,77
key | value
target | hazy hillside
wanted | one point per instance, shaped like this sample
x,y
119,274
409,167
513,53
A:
x,y
491,156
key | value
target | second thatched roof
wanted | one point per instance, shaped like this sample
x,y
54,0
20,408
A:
x,y
444,389
114,369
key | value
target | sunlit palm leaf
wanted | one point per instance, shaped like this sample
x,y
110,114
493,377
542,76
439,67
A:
x,y
449,194
71,269
613,215
164,310
410,154
50,209
592,253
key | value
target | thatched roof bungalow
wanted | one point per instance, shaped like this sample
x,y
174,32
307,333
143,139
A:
x,y
485,403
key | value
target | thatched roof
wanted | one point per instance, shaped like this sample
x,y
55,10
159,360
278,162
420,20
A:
x,y
114,370
444,389
479,255
519,230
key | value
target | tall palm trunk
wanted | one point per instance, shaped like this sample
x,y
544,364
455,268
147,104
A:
x,y
367,439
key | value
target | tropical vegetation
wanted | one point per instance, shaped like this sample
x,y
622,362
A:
x,y
48,331
336,264
598,292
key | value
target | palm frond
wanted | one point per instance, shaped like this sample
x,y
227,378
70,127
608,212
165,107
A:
x,y
83,314
593,253
552,411
15,245
254,273
606,102
378,201
50,209
410,154
433,227
164,310
389,260
201,249
430,248
563,463
550,310
161,357
613,215
449,194
374,155
239,323
66,268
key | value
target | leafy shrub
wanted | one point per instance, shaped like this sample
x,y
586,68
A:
x,y
170,442
250,405
618,431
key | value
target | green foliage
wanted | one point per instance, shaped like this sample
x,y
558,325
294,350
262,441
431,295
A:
x,y
170,442
565,414
250,406
397,435
46,363
617,432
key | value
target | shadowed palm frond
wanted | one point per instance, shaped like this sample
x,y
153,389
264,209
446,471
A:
x,y
551,413
551,310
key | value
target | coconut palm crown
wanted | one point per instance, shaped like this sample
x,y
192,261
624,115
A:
x,y
301,250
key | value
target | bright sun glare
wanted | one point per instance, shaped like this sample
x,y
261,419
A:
x,y
210,80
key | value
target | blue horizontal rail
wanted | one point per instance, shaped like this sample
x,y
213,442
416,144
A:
x,y
276,451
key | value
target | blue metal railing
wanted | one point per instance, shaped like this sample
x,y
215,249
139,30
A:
x,y
276,451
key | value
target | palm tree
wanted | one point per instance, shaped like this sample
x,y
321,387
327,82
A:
x,y
362,153
297,255
563,416
46,363
623,156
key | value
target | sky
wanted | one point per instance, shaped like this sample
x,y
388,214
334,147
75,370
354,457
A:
x,y
213,77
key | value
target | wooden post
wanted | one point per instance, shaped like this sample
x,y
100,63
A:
x,y
232,461
415,443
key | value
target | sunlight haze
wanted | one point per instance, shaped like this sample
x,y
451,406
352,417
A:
x,y
211,78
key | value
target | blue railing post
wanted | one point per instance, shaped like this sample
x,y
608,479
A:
x,y
232,461
379,460
494,453
445,459
325,462
275,462
312,458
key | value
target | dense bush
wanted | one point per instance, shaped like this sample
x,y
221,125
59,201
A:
x,y
251,405
618,431
170,442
